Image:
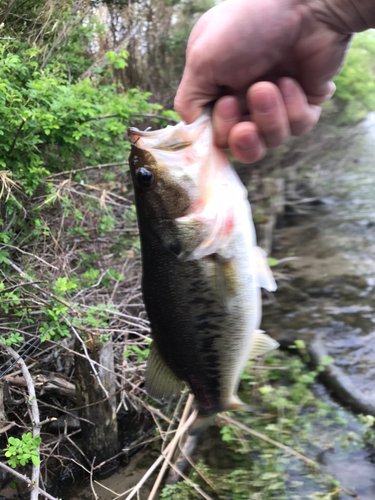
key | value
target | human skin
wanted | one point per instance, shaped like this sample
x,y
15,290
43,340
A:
x,y
269,65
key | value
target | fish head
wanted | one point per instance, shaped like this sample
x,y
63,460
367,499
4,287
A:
x,y
185,188
165,166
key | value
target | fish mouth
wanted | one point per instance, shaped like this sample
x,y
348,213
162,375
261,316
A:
x,y
171,138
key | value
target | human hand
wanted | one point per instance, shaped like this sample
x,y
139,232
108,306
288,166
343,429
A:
x,y
297,45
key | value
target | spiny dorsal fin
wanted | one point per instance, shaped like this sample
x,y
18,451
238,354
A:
x,y
161,382
262,343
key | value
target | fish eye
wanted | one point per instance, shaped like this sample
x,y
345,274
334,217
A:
x,y
145,177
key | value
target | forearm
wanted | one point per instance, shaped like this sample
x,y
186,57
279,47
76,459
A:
x,y
347,16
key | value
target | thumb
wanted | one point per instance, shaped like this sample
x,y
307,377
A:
x,y
193,94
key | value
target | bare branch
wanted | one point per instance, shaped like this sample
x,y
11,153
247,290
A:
x,y
104,61
25,479
159,117
168,455
180,431
32,283
84,169
63,33
140,115
35,417
31,255
17,134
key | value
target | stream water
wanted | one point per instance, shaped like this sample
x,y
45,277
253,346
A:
x,y
330,301
334,273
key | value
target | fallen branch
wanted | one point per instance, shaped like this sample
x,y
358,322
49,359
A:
x,y
90,167
289,450
35,417
47,383
31,255
171,449
180,431
25,479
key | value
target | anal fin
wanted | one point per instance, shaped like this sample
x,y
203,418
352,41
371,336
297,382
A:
x,y
161,382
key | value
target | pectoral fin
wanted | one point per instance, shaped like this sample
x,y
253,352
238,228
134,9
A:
x,y
161,382
264,273
262,343
225,280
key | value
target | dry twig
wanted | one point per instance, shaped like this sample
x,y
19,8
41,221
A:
x,y
171,448
35,417
25,479
85,169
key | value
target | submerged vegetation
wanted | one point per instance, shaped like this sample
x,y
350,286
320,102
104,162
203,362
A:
x,y
273,448
73,76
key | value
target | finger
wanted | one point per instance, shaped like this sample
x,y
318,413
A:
x,y
302,116
327,92
268,112
225,115
195,90
246,143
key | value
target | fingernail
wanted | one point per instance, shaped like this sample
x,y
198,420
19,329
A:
x,y
263,102
331,88
226,109
287,88
246,141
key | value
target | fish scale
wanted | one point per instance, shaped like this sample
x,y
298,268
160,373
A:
x,y
202,271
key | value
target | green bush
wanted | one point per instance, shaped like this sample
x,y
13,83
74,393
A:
x,y
356,83
48,124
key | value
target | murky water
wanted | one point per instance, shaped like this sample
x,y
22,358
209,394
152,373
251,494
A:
x,y
330,301
334,276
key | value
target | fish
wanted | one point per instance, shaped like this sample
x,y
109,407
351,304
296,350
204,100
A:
x,y
202,269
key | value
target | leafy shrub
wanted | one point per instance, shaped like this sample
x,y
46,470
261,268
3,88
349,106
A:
x,y
21,451
356,83
49,124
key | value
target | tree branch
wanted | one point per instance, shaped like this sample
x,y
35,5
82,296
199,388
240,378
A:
x,y
35,417
141,115
25,479
84,169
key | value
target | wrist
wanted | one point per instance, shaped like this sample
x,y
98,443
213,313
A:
x,y
346,16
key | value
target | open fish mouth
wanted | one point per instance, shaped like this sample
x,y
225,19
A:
x,y
171,138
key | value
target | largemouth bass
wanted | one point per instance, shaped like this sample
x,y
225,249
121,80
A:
x,y
202,270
